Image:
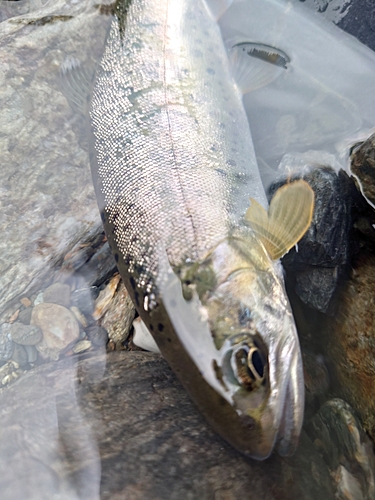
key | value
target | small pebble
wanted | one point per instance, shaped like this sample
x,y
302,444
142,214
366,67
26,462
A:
x,y
8,372
25,334
119,316
81,346
32,353
80,317
25,316
6,344
26,302
38,299
20,355
98,335
100,267
14,316
339,437
58,293
83,299
59,327
102,303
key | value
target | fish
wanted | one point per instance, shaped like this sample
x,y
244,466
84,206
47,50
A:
x,y
174,167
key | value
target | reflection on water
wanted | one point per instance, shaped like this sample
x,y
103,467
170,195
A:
x,y
47,450
119,425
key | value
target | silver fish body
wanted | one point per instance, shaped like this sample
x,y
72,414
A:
x,y
174,167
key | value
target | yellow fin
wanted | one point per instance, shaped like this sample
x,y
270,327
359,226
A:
x,y
288,218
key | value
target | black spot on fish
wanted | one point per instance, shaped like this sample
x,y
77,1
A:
x,y
132,283
139,269
169,339
116,257
103,217
221,172
151,327
247,422
160,327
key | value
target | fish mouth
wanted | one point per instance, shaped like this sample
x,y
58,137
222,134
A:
x,y
279,427
293,408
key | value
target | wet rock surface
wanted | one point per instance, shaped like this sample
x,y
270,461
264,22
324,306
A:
x,y
324,252
351,342
138,423
59,328
57,293
347,450
118,318
362,165
25,334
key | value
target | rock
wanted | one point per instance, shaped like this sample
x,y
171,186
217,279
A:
x,y
82,346
14,316
32,353
317,285
25,316
350,341
346,449
39,299
9,372
59,327
119,316
6,344
316,381
25,334
20,355
362,165
57,293
105,297
83,299
25,302
100,267
323,253
48,201
98,335
79,316
135,434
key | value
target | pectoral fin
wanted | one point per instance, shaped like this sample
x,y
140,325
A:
x,y
288,218
255,65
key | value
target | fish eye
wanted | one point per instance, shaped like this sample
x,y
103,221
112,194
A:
x,y
248,366
245,365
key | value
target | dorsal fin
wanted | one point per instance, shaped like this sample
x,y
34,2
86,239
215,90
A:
x,y
288,217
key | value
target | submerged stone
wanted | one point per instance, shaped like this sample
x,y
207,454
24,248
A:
x,y
59,328
132,432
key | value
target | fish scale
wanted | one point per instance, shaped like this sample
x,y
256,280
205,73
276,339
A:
x,y
170,160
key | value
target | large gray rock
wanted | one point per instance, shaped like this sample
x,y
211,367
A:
x,y
135,423
47,201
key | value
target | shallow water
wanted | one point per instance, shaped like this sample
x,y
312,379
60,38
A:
x,y
54,415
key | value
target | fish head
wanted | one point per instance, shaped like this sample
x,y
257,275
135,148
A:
x,y
249,352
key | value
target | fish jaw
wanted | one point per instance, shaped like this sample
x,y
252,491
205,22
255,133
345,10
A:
x,y
277,414
289,420
269,416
